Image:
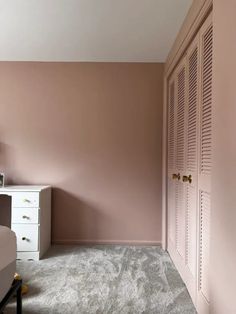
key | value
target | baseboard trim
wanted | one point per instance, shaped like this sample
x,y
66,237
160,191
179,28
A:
x,y
107,242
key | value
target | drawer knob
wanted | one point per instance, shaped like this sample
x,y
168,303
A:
x,y
25,239
25,217
26,200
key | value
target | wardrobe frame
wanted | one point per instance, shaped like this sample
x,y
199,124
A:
x,y
197,14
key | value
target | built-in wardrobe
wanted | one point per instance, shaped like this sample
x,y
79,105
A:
x,y
189,150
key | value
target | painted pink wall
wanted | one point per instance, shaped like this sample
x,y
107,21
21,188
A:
x,y
93,131
223,222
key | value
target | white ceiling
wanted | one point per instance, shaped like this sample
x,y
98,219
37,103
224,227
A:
x,y
89,30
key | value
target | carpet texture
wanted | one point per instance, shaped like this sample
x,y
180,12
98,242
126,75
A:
x,y
103,279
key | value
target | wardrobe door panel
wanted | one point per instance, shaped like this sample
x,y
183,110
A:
x,y
171,211
205,151
191,165
176,187
180,159
193,76
193,87
206,109
205,210
171,161
191,231
181,100
171,126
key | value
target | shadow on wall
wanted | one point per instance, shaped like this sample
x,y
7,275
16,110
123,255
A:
x,y
6,152
8,163
77,219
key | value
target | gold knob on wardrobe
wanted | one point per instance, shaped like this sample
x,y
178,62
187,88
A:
x,y
176,176
187,178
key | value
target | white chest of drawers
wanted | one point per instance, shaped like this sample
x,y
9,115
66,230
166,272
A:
x,y
30,219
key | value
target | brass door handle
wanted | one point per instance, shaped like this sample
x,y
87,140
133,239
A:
x,y
187,178
176,176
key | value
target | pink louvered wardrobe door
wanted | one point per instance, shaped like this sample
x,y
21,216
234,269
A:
x,y
180,157
184,254
205,164
176,187
171,161
189,165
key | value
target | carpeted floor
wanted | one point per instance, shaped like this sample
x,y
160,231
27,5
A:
x,y
103,279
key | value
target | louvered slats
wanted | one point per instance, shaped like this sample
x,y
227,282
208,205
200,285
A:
x,y
171,136
171,210
206,110
192,110
180,220
191,229
205,160
191,156
204,246
180,119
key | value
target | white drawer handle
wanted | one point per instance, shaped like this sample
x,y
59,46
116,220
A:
x,y
25,217
26,200
25,239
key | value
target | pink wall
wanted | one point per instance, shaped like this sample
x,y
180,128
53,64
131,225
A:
x,y
93,131
223,244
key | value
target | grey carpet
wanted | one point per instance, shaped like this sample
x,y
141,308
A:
x,y
104,279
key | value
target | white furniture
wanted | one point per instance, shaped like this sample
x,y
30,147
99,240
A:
x,y
7,259
30,219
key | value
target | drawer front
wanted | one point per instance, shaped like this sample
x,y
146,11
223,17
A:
x,y
27,237
25,215
25,199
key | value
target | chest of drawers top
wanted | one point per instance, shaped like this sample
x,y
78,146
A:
x,y
22,188
23,195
